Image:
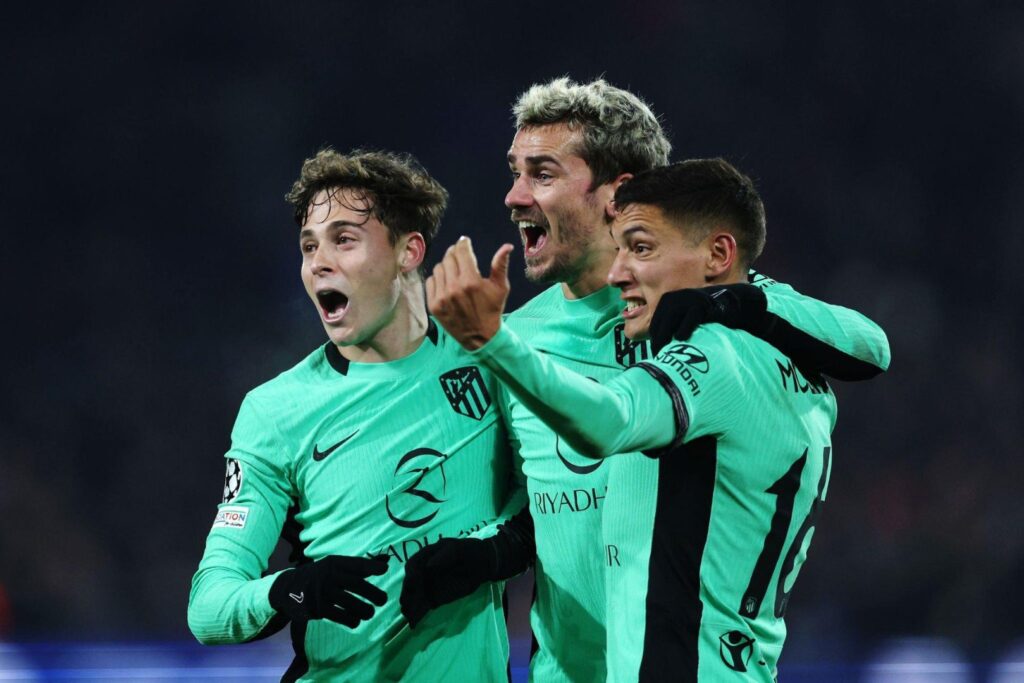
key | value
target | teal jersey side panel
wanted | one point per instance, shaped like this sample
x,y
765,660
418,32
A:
x,y
381,459
568,492
730,514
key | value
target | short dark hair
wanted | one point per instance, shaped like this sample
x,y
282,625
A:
x,y
399,191
703,193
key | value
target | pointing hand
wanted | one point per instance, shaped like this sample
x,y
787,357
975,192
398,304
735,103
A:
x,y
467,304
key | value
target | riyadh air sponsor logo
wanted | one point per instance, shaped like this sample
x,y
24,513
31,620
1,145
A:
x,y
735,648
405,548
589,467
232,481
627,351
575,500
464,388
425,467
690,362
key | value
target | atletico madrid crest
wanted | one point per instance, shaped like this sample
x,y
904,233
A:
x,y
464,388
627,351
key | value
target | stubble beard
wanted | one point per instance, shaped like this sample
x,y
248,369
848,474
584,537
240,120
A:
x,y
572,258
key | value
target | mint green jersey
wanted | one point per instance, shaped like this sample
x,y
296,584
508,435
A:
x,y
372,459
567,492
720,523
586,413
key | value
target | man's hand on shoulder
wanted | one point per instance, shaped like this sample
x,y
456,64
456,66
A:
x,y
467,304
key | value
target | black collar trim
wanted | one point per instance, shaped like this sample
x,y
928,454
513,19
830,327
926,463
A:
x,y
334,357
340,363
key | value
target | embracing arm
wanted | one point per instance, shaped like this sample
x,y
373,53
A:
x,y
820,337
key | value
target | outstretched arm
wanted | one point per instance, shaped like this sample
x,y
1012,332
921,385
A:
x,y
629,413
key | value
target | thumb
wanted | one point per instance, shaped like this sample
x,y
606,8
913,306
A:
x,y
499,265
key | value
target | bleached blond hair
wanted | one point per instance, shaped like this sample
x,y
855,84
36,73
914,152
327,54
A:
x,y
620,132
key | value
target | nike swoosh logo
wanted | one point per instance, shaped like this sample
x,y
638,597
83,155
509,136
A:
x,y
297,598
319,455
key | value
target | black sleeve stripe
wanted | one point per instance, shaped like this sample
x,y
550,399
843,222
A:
x,y
678,407
814,354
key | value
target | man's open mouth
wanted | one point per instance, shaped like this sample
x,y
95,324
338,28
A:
x,y
333,304
634,307
534,236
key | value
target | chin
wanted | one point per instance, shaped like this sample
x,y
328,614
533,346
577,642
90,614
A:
x,y
341,337
637,331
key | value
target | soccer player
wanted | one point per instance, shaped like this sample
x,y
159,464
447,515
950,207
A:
x,y
574,145
378,443
721,515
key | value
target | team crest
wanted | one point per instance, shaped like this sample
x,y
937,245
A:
x,y
232,480
627,351
464,388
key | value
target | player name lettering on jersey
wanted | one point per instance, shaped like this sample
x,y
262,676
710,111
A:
x,y
793,381
577,500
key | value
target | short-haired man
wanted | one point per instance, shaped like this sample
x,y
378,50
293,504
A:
x,y
575,144
381,441
719,519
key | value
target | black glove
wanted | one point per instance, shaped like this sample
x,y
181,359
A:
x,y
740,306
453,568
328,589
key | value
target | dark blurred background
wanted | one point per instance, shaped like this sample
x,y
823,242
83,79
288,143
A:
x,y
151,270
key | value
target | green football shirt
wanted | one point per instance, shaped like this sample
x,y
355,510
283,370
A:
x,y
372,458
571,497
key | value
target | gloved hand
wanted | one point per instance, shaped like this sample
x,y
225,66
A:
x,y
443,572
330,588
740,306
453,568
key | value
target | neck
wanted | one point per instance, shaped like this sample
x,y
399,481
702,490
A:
x,y
731,277
593,276
401,335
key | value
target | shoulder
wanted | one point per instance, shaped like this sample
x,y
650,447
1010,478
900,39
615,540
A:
x,y
294,378
709,345
537,307
768,284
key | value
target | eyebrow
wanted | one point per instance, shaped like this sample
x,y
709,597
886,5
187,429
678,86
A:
x,y
633,229
333,225
537,160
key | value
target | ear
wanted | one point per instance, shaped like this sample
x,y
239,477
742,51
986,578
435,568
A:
x,y
609,206
722,255
411,250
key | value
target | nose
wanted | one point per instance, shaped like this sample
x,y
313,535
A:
x,y
620,275
519,195
320,262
